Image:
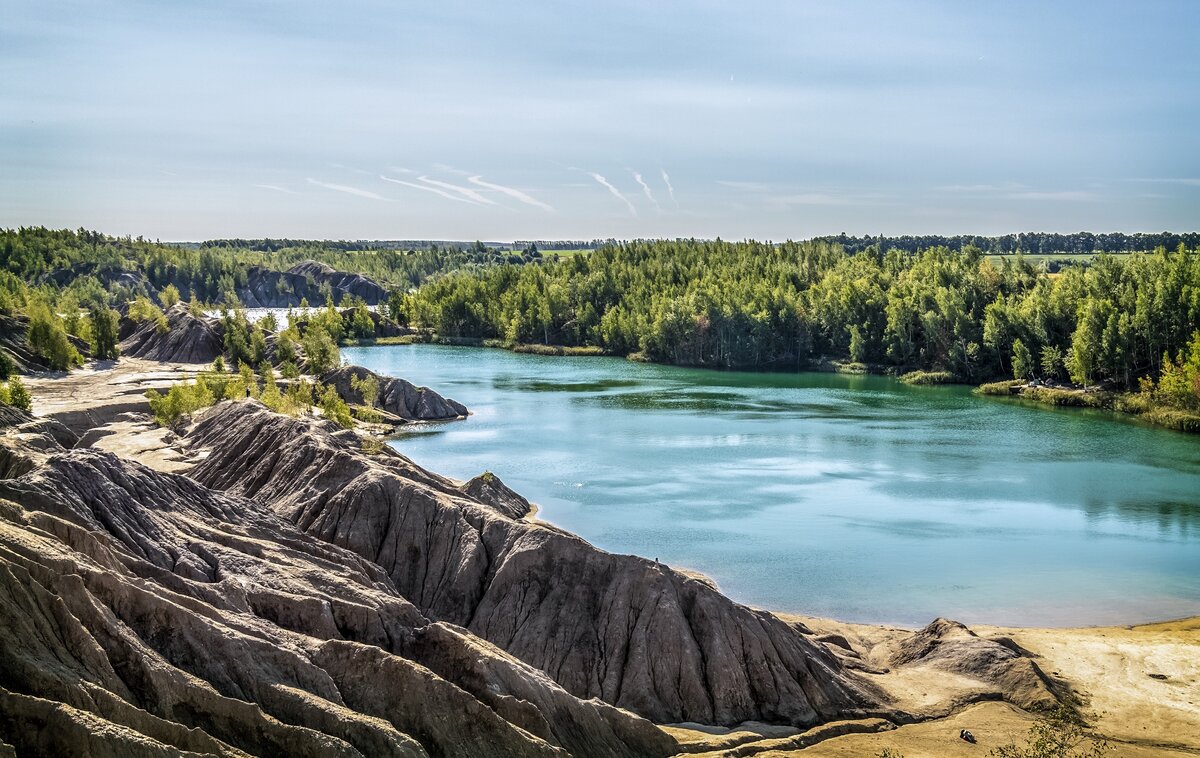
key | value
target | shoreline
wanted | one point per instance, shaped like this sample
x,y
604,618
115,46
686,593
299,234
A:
x,y
1139,682
1120,404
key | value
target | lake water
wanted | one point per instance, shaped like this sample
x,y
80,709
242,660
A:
x,y
853,497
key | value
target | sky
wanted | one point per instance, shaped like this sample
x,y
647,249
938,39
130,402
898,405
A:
x,y
578,120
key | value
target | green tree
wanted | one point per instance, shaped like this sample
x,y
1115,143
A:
x,y
104,333
169,296
1022,361
48,338
320,351
18,395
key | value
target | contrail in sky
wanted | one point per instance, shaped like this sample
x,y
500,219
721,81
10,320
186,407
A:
x,y
645,188
615,192
670,189
348,190
424,188
510,191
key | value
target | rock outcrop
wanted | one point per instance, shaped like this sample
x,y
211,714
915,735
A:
x,y
14,340
397,397
489,490
626,630
951,647
341,283
143,614
188,339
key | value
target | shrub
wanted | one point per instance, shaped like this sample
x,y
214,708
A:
x,y
181,399
48,338
104,331
1057,735
998,388
320,350
335,409
927,377
1181,421
17,394
169,295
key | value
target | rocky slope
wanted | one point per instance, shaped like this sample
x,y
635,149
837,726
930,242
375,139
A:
x,y
14,341
623,629
340,282
397,397
188,339
142,614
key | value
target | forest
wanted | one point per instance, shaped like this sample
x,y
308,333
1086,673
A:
x,y
1125,323
755,305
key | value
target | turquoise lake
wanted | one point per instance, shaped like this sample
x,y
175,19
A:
x,y
853,497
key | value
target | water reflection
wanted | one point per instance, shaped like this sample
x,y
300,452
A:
x,y
851,496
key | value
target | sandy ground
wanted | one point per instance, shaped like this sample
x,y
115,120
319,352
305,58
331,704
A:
x,y
1140,685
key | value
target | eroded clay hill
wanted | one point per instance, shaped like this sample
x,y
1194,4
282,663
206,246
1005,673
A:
x,y
143,614
626,630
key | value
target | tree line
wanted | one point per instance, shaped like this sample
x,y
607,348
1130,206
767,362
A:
x,y
756,305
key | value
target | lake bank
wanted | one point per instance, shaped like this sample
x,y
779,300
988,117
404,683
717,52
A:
x,y
772,484
1095,661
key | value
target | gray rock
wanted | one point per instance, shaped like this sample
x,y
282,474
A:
x,y
629,631
144,614
398,397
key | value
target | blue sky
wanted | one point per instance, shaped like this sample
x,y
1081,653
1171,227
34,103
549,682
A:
x,y
465,120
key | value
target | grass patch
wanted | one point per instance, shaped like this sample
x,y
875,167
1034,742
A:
x,y
1000,388
928,377
1180,421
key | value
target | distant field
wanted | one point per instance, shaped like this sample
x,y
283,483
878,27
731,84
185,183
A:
x,y
1037,260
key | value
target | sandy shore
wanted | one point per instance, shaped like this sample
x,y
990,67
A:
x,y
1138,685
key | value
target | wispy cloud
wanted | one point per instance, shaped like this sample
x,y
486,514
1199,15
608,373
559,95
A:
x,y
670,189
615,192
811,198
277,188
645,189
744,186
983,188
512,192
1071,195
348,190
466,192
1187,181
450,169
424,188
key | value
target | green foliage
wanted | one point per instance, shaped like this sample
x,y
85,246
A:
x,y
169,295
998,388
15,394
1060,734
361,325
244,341
289,370
142,309
48,338
181,399
103,322
1022,361
335,409
218,365
195,307
927,377
756,305
368,387
7,366
320,349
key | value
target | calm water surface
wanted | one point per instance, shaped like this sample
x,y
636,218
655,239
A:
x,y
858,498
